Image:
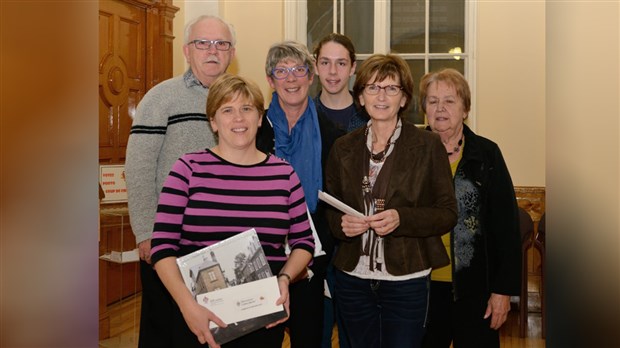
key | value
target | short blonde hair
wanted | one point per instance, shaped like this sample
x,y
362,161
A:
x,y
453,78
228,86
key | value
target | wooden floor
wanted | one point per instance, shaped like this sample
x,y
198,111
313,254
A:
x,y
509,333
125,321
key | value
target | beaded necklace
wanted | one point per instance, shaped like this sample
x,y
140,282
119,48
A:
x,y
380,157
457,148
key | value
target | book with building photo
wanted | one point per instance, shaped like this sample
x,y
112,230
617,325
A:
x,y
233,280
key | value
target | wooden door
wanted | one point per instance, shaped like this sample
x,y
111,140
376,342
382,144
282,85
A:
x,y
135,53
122,66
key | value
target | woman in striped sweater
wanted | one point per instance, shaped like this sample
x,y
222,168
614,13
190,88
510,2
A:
x,y
219,192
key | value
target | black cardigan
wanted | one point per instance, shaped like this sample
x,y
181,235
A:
x,y
487,205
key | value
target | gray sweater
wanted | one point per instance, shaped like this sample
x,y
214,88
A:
x,y
170,121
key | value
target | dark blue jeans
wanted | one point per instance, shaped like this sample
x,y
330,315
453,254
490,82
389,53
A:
x,y
331,315
382,314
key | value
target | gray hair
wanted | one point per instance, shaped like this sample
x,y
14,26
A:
x,y
189,26
288,50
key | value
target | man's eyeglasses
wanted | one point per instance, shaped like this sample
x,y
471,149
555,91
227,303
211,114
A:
x,y
282,73
206,44
390,90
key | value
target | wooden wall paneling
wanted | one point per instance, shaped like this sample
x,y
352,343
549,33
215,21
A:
x,y
152,48
135,53
106,41
122,280
532,199
116,281
104,315
159,38
122,32
167,37
132,51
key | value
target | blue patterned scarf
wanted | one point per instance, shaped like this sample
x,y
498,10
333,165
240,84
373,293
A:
x,y
301,148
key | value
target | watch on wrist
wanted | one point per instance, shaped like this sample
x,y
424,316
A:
x,y
282,274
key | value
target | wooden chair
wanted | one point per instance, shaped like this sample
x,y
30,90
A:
x,y
539,243
526,226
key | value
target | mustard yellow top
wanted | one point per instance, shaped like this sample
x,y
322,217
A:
x,y
444,274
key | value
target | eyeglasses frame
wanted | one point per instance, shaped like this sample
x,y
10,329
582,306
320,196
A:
x,y
289,71
384,88
211,43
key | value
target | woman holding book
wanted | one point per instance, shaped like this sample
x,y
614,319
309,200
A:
x,y
217,193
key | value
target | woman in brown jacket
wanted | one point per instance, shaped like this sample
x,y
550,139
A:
x,y
399,177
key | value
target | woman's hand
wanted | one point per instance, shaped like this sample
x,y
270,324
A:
x,y
384,222
353,226
296,264
497,308
198,318
283,283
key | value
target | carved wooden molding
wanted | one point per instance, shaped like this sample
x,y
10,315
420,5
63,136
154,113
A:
x,y
532,199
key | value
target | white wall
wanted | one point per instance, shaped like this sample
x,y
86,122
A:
x,y
188,10
510,93
259,25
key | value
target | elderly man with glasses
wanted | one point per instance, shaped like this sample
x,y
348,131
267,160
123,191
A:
x,y
169,122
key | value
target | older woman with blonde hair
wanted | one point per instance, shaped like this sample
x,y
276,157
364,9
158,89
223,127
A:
x,y
398,176
470,298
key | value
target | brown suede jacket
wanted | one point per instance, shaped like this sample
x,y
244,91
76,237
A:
x,y
420,189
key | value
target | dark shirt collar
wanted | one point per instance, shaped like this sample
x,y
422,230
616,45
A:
x,y
191,79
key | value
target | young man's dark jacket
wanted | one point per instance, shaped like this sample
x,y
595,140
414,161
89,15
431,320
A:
x,y
359,119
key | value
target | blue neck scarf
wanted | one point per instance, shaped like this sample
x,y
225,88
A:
x,y
301,148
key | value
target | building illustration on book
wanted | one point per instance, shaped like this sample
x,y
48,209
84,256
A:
x,y
248,265
210,277
231,265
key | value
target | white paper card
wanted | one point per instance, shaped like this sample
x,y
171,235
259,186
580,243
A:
x,y
244,301
121,256
334,202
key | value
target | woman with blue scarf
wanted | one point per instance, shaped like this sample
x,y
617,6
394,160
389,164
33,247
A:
x,y
296,133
